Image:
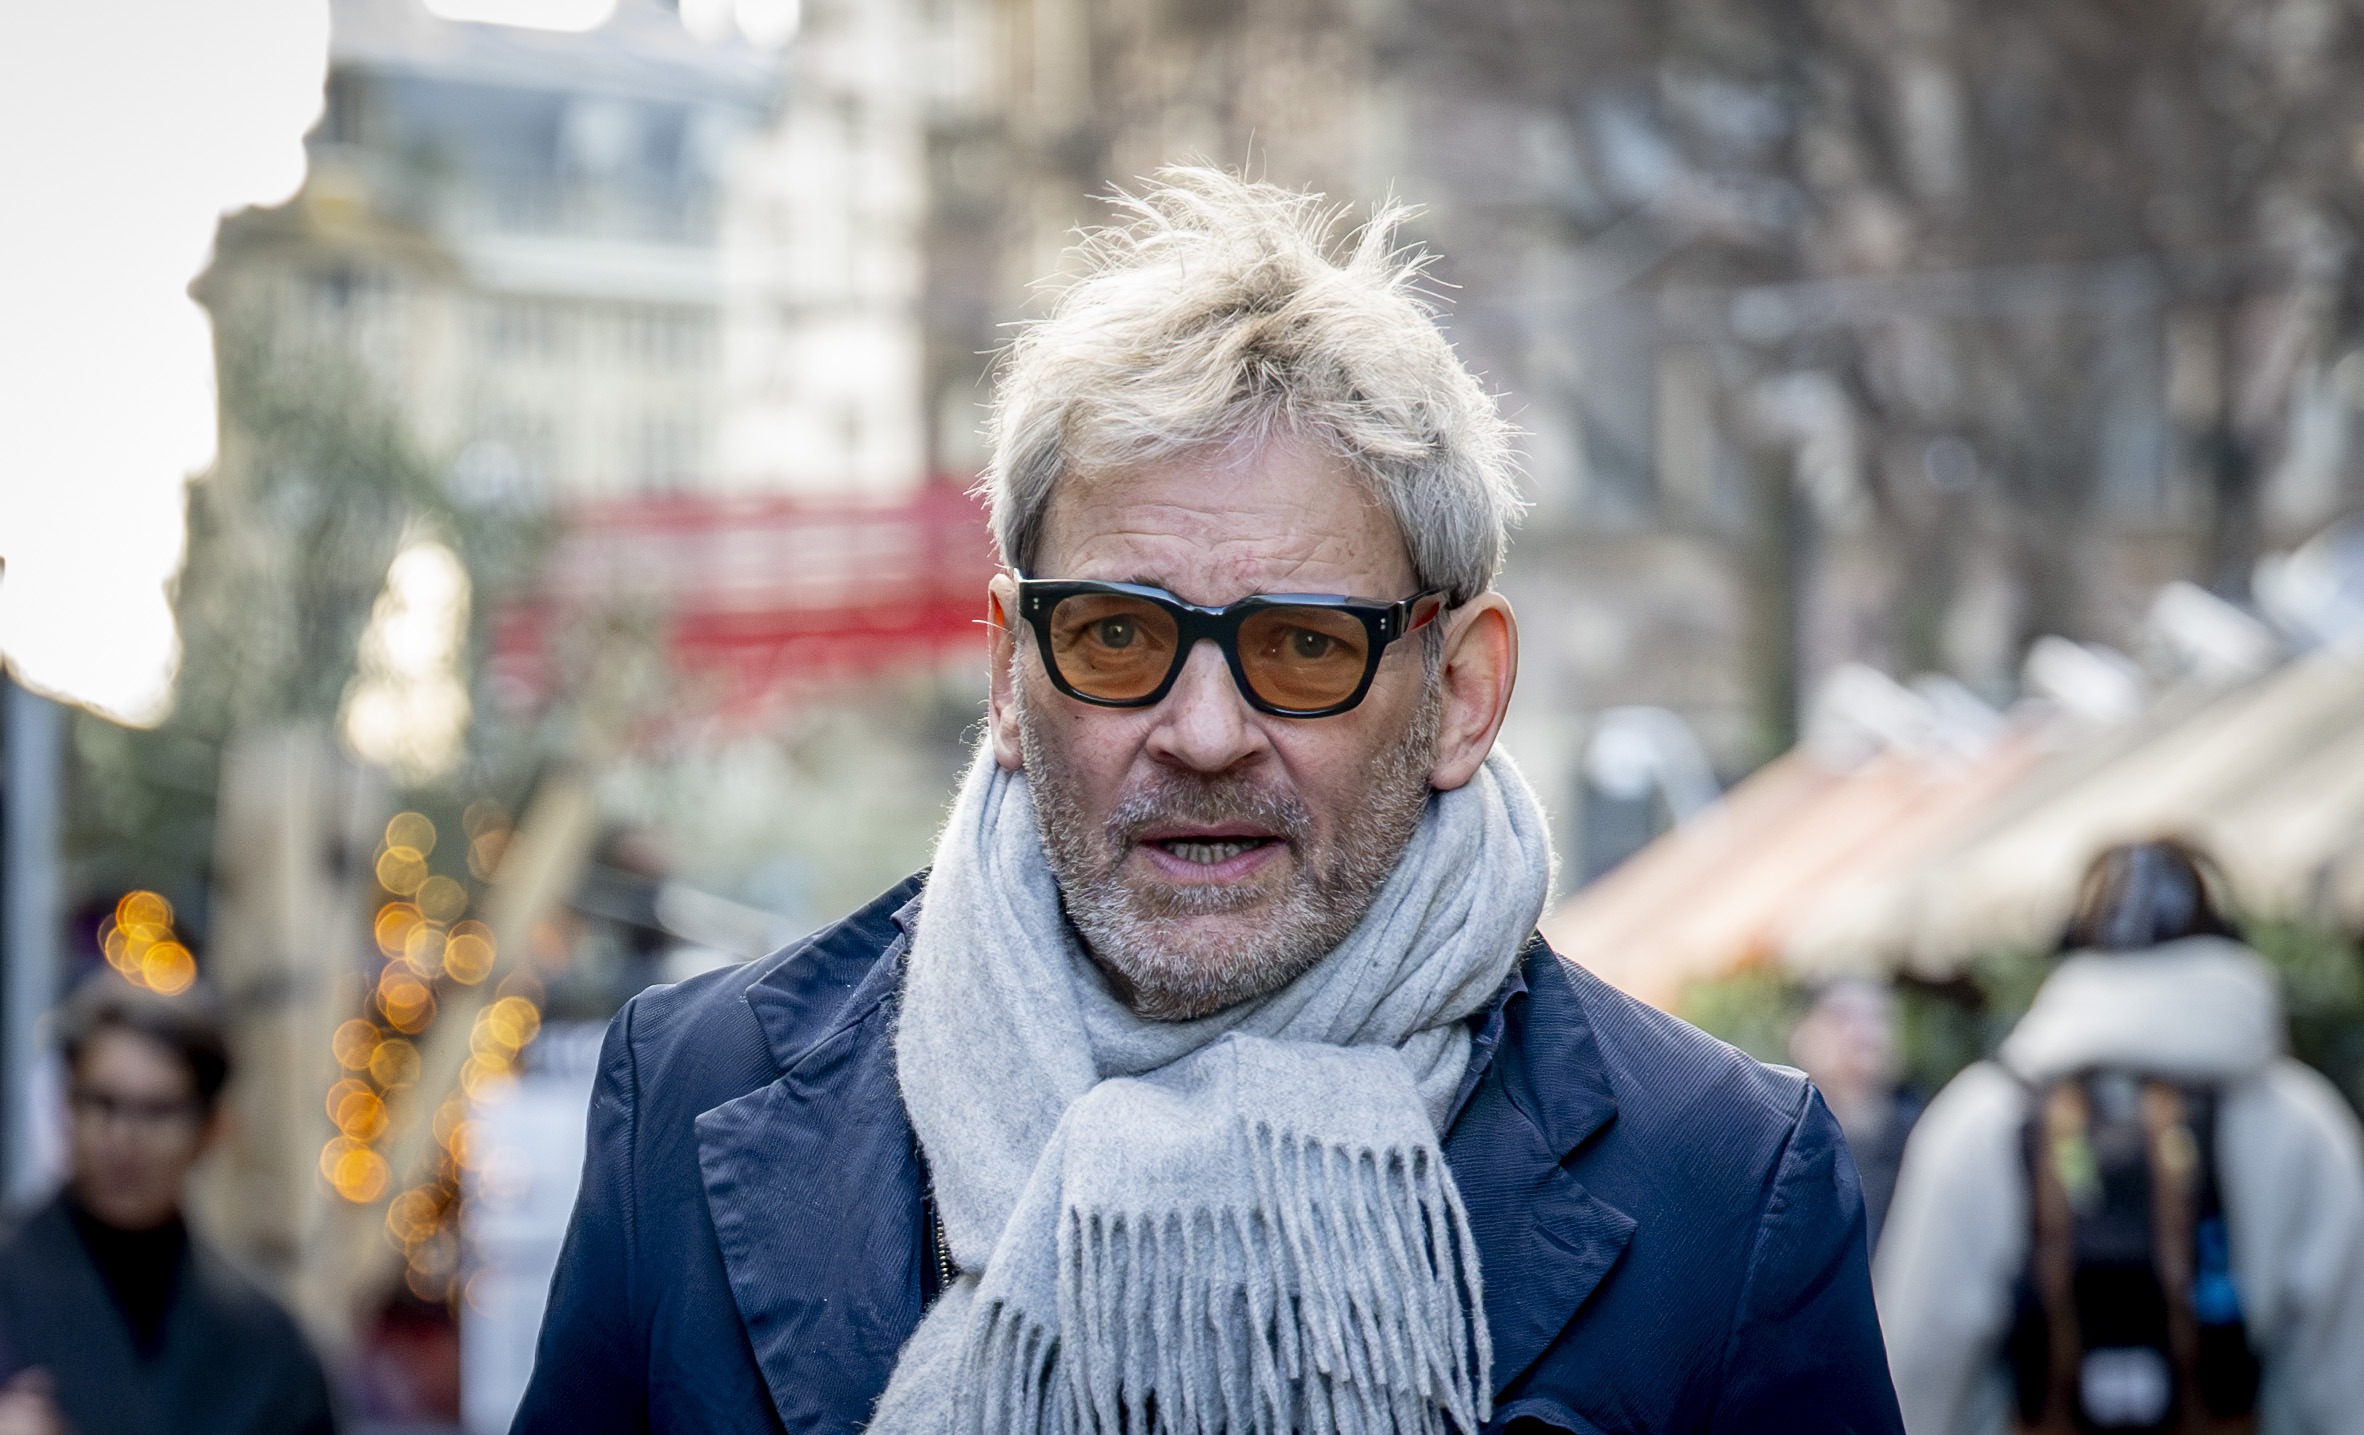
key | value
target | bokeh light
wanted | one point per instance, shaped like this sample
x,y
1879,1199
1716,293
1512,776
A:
x,y
415,1215
137,908
402,870
138,942
393,926
395,1064
337,1095
440,899
478,1073
468,953
422,950
515,1020
414,830
409,1004
448,1117
466,1144
358,1112
168,967
354,1171
356,1045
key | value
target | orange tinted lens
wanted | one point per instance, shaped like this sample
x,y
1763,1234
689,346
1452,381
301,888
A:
x,y
1304,658
1111,646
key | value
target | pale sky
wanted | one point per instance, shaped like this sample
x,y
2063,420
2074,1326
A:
x,y
131,129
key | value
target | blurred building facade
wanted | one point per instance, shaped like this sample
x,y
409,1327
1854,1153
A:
x,y
520,237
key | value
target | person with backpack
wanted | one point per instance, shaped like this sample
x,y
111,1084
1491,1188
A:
x,y
2142,1214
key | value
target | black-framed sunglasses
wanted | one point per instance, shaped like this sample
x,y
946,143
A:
x,y
1300,655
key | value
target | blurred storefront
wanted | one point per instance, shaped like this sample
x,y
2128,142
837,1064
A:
x,y
1914,834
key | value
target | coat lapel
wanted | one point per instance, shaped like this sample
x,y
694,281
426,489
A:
x,y
813,1184
1544,1242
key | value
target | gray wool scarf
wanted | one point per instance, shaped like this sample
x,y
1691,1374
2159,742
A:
x,y
1240,1223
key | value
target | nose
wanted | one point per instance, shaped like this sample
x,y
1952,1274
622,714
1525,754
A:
x,y
1204,724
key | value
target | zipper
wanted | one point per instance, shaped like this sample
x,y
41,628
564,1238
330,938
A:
x,y
940,1246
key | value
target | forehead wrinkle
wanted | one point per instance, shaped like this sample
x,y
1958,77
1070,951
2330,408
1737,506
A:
x,y
1212,532
1283,533
1244,565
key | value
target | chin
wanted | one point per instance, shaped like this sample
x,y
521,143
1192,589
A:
x,y
1178,968
132,1215
1216,944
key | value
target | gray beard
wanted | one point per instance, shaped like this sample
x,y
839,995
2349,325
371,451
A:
x,y
1140,935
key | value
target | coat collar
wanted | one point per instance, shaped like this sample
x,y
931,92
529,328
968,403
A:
x,y
1544,1242
813,1182
838,978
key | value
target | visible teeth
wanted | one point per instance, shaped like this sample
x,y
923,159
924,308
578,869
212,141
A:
x,y
1209,853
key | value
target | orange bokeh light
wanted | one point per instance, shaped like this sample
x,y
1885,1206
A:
x,y
338,1093
406,1001
361,1115
358,1174
413,830
394,1064
468,953
355,1044
414,1215
423,950
442,899
519,1015
402,870
480,1071
143,908
393,926
168,967
336,1150
448,1117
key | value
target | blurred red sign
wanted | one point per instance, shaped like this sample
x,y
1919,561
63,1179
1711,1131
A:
x,y
755,598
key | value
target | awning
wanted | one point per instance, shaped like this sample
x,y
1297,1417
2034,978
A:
x,y
1920,861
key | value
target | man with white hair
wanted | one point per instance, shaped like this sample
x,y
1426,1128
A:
x,y
1213,1076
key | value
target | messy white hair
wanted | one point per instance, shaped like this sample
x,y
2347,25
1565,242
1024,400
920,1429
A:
x,y
1221,310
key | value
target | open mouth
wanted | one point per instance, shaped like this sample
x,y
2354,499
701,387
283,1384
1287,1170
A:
x,y
1219,852
1210,851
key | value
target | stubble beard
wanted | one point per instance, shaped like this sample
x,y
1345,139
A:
x,y
1147,935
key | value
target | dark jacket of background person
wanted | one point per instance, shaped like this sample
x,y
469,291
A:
x,y
1671,1235
227,1360
2199,1010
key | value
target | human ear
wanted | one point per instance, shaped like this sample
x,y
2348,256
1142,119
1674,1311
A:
x,y
1481,664
1001,706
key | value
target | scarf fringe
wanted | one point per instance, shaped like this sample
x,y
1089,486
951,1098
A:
x,y
1324,1309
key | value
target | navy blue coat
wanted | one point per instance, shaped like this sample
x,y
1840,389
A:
x,y
1671,1234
